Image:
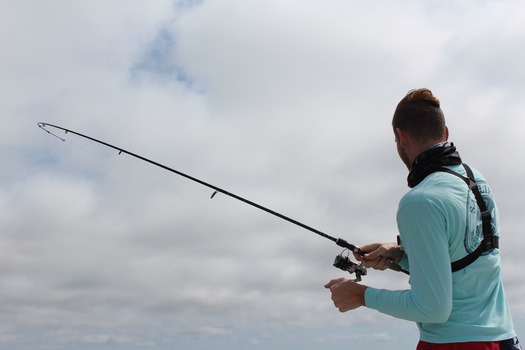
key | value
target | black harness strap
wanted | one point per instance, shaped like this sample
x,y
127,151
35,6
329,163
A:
x,y
490,241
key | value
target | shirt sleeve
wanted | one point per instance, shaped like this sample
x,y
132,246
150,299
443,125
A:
x,y
422,227
404,262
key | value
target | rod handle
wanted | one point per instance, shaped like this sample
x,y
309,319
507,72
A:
x,y
391,265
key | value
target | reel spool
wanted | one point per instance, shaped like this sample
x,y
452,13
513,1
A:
x,y
344,263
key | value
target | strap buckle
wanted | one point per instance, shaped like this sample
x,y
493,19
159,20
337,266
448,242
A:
x,y
490,240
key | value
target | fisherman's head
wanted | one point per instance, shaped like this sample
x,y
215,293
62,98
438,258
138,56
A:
x,y
417,123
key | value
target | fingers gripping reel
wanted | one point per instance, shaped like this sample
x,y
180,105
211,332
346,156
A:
x,y
343,262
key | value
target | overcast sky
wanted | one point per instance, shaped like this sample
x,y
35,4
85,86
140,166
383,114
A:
x,y
287,103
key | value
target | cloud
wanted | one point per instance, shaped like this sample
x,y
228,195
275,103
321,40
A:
x,y
285,103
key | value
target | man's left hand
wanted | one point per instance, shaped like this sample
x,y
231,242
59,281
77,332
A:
x,y
346,294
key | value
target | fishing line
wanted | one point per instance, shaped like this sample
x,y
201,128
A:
x,y
342,261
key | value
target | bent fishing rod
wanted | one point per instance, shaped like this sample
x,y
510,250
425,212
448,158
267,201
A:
x,y
342,261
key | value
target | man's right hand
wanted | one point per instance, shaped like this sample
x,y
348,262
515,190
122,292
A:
x,y
380,256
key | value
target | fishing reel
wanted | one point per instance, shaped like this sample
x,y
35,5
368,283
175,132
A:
x,y
343,262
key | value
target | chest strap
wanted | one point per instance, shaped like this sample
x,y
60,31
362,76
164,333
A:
x,y
490,241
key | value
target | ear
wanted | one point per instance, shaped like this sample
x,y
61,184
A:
x,y
402,137
446,133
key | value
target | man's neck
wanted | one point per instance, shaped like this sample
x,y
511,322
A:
x,y
426,146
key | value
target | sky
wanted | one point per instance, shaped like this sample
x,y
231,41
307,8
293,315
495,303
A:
x,y
286,103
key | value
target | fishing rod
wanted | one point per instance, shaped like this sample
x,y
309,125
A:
x,y
342,261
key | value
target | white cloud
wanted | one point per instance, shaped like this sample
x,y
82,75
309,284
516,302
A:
x,y
285,103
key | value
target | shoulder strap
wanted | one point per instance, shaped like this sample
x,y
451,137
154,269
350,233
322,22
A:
x,y
490,241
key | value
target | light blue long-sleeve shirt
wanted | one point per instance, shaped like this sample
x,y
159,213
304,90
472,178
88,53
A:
x,y
438,222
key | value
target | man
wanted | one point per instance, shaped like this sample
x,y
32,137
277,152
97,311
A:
x,y
457,304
